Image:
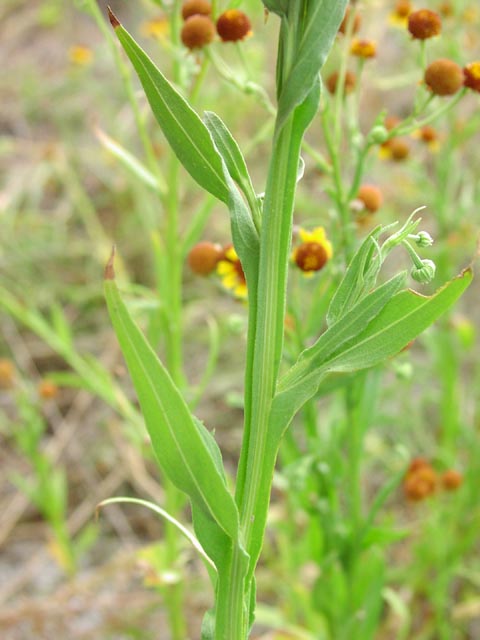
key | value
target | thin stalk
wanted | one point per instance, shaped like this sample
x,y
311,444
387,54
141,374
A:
x,y
129,90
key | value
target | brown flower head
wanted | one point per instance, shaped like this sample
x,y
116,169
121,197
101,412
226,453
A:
x,y
420,480
357,21
443,77
7,373
314,252
203,258
363,48
428,134
371,196
332,82
452,480
471,75
233,25
446,9
403,8
47,390
396,149
424,24
197,32
196,7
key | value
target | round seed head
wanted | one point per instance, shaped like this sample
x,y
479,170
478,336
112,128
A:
x,y
47,390
371,196
7,373
420,482
311,256
203,258
197,32
399,149
452,480
332,82
196,7
403,8
443,77
357,21
233,25
424,24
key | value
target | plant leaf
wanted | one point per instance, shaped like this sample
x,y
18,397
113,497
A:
x,y
301,382
177,442
355,280
279,7
320,25
184,130
164,514
402,319
230,152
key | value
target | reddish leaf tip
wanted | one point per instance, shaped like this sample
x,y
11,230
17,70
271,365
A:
x,y
109,273
113,18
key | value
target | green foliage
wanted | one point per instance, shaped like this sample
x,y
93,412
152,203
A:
x,y
184,130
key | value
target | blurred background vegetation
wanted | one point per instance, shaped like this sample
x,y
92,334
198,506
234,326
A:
x,y
69,427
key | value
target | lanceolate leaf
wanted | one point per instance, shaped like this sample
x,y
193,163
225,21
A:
x,y
179,446
231,154
402,319
355,280
184,130
320,26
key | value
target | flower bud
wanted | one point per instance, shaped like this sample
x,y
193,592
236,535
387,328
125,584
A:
x,y
423,239
197,32
378,135
424,273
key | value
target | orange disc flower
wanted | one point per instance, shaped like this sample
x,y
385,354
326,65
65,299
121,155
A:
x,y
197,32
371,197
424,24
233,25
471,76
47,390
399,16
203,257
314,251
444,77
357,21
332,82
196,7
420,480
452,480
7,373
363,48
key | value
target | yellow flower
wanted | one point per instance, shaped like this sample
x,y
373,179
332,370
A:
x,y
231,271
80,55
156,28
399,16
314,251
363,48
